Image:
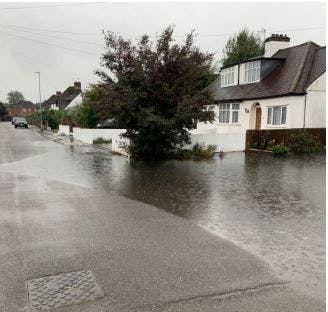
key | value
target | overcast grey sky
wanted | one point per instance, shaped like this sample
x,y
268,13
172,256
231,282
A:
x,y
28,48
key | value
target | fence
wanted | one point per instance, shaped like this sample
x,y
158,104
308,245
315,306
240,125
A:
x,y
259,139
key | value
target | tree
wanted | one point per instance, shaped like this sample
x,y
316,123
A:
x,y
241,47
155,91
3,110
14,97
83,116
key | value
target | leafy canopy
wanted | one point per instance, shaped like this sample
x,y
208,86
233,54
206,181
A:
x,y
14,97
3,110
242,46
154,91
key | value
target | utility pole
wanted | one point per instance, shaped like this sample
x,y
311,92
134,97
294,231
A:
x,y
40,99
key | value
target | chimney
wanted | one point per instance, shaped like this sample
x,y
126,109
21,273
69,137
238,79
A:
x,y
77,85
274,43
58,93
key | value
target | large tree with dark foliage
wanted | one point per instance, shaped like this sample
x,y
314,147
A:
x,y
14,97
242,46
3,110
155,91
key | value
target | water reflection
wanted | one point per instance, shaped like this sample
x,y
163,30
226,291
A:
x,y
274,207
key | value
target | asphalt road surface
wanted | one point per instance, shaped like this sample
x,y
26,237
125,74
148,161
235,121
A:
x,y
54,219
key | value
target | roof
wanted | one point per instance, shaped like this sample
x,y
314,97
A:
x,y
23,104
64,98
255,58
300,66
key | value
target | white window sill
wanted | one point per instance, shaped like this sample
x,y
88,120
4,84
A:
x,y
229,85
246,82
276,127
229,124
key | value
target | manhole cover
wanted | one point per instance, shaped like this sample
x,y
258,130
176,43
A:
x,y
64,289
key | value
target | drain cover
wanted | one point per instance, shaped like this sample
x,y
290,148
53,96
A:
x,y
64,289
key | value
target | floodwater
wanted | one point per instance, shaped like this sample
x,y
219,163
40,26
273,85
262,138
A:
x,y
272,207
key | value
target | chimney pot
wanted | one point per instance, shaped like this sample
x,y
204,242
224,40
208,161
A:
x,y
77,85
274,43
58,93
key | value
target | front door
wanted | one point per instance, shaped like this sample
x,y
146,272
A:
x,y
258,118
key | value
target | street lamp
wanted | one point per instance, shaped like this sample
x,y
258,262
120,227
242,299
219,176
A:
x,y
40,100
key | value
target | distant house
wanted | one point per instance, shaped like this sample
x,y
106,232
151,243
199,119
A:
x,y
23,108
75,102
283,89
61,100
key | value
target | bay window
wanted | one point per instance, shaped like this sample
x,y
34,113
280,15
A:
x,y
277,115
228,113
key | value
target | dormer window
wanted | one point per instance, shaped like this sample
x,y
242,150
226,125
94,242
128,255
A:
x,y
252,71
228,76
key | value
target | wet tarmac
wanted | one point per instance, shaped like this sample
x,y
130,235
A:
x,y
273,208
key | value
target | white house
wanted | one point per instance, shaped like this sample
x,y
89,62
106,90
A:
x,y
285,88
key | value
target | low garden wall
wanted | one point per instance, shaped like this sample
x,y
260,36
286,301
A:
x,y
113,135
226,142
63,129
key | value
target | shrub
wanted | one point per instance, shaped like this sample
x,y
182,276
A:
x,y
279,150
304,142
83,116
101,141
198,151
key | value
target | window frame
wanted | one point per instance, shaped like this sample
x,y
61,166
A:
x,y
227,118
227,76
270,117
252,69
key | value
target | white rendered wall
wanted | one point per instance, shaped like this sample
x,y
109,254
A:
x,y
89,135
226,142
294,117
315,116
63,129
272,47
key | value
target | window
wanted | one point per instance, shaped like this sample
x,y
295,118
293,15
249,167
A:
x,y
226,110
227,76
252,71
277,115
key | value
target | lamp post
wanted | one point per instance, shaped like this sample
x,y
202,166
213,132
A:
x,y
40,100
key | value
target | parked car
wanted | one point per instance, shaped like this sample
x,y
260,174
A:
x,y
20,122
13,121
109,124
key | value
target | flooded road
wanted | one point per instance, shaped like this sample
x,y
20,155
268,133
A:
x,y
273,207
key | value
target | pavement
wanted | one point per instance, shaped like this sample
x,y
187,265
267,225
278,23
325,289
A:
x,y
143,258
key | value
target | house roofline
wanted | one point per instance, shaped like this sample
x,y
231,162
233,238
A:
x,y
260,98
253,59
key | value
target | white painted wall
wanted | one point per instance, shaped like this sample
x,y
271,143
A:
x,y
316,104
294,117
89,135
77,101
247,112
63,129
226,142
272,47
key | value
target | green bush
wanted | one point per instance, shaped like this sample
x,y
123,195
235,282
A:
x,y
83,116
279,150
198,152
101,141
304,142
